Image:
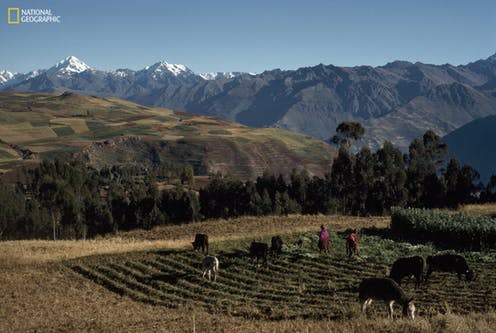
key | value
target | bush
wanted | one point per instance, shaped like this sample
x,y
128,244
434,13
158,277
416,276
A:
x,y
458,230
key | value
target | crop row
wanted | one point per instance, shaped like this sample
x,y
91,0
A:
x,y
287,287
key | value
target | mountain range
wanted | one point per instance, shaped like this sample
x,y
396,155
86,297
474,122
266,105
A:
x,y
397,102
72,73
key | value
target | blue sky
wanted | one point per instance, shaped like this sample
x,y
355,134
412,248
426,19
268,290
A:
x,y
249,35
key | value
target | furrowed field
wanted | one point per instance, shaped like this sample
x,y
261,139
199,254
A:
x,y
151,281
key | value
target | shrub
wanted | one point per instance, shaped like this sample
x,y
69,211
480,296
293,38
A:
x,y
457,230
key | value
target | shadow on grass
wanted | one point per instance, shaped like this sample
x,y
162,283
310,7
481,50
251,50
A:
x,y
169,278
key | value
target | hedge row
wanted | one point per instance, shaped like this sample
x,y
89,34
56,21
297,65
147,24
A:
x,y
458,230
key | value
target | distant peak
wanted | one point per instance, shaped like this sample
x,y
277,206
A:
x,y
7,73
220,75
398,64
5,76
163,66
69,65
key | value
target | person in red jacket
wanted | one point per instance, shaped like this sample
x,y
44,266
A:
x,y
323,239
352,243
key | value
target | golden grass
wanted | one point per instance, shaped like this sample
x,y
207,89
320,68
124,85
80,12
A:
x,y
170,137
251,226
27,134
175,236
9,150
17,126
40,251
41,148
486,209
147,121
78,125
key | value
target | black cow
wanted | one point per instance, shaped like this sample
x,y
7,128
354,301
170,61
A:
x,y
276,245
405,267
449,263
259,251
201,242
388,291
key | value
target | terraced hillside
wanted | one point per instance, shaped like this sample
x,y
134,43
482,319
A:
x,y
301,283
109,131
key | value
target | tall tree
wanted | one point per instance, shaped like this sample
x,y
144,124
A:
x,y
390,178
465,186
425,158
364,180
346,132
451,177
342,179
187,175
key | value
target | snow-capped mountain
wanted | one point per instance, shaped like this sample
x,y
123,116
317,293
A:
x,y
5,76
162,68
68,66
164,72
8,78
73,74
64,68
220,75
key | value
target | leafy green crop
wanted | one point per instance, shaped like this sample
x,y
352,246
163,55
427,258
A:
x,y
459,230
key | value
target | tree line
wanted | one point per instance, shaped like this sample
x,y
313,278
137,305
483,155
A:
x,y
65,199
68,199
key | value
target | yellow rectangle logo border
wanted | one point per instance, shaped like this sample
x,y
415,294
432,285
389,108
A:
x,y
10,10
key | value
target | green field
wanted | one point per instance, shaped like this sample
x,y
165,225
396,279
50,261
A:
x,y
300,284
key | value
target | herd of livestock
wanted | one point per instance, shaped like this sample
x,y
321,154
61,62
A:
x,y
386,289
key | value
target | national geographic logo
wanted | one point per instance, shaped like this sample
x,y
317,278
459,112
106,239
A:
x,y
13,15
32,15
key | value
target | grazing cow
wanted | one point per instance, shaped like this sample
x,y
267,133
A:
x,y
210,267
409,266
276,245
449,263
385,289
201,242
259,251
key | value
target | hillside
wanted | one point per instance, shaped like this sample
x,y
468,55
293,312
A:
x,y
474,144
109,131
310,100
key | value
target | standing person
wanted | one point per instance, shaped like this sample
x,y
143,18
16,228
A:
x,y
352,243
323,239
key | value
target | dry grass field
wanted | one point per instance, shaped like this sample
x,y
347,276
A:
x,y
486,209
119,283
